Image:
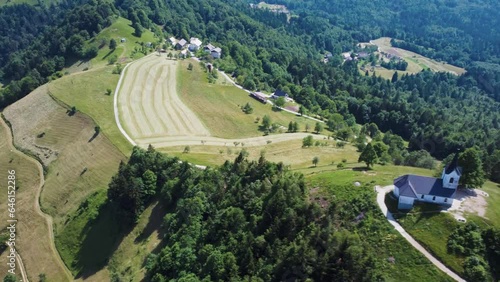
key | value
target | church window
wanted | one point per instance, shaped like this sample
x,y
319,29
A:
x,y
434,198
422,196
452,180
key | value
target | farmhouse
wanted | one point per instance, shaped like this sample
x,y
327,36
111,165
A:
x,y
194,44
280,93
173,41
259,97
215,52
410,188
181,44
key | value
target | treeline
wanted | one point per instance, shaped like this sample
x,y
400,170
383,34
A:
x,y
481,249
394,64
38,41
247,220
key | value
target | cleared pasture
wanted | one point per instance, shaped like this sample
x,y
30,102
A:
x,y
149,105
87,92
218,106
32,241
416,62
290,153
79,163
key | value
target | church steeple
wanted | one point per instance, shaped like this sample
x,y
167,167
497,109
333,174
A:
x,y
451,173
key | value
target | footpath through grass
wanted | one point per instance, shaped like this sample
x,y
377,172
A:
x,y
218,105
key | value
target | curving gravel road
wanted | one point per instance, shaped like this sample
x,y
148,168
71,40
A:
x,y
381,192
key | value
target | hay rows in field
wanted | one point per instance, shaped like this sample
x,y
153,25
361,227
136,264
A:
x,y
149,105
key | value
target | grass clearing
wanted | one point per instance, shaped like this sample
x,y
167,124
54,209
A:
x,y
128,261
82,164
218,105
290,153
416,60
431,228
125,51
87,92
379,175
32,240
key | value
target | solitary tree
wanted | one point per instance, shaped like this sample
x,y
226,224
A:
x,y
10,278
315,161
108,91
318,127
112,44
307,141
187,149
290,127
295,127
368,156
301,110
280,102
266,122
170,55
472,173
307,127
190,66
97,129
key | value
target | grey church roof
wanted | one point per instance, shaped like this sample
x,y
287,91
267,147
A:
x,y
454,166
410,185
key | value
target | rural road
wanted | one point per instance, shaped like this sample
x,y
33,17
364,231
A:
x,y
381,192
36,204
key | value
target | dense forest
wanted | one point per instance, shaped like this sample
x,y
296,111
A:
x,y
437,112
245,221
38,41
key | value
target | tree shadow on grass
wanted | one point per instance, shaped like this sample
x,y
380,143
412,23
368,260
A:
x,y
103,235
361,168
155,222
109,53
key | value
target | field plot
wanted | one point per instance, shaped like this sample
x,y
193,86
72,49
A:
x,y
149,105
416,62
218,105
290,153
87,92
32,241
79,163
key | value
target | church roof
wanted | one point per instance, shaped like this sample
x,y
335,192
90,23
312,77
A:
x,y
453,166
410,185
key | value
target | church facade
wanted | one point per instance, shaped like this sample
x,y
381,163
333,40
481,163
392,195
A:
x,y
411,188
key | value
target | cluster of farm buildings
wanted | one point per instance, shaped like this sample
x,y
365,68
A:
x,y
261,97
194,45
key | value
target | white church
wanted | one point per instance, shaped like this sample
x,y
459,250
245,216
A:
x,y
410,188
